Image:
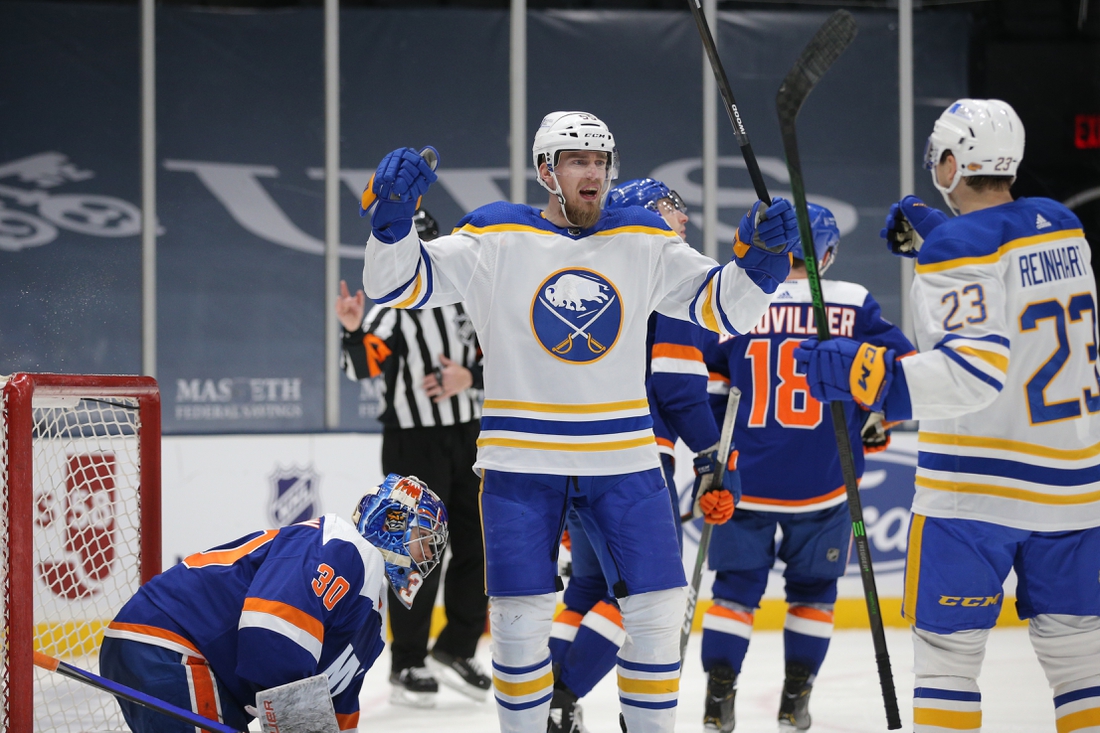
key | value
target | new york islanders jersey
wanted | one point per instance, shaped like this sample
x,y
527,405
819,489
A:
x,y
1006,386
270,608
788,455
678,378
561,317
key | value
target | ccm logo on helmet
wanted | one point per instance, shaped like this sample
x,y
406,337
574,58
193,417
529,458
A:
x,y
970,601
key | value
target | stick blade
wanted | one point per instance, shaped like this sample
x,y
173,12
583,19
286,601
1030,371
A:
x,y
832,38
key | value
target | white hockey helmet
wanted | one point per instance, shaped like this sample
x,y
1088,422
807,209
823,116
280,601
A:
x,y
560,131
985,136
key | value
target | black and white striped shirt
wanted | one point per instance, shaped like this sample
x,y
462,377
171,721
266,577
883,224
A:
x,y
401,347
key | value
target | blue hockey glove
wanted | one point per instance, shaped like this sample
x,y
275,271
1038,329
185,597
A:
x,y
845,370
908,224
401,179
715,504
763,240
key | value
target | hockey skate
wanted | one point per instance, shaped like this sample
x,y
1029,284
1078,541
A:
x,y
794,705
565,713
721,692
463,675
413,686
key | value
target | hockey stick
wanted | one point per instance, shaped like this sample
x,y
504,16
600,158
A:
x,y
724,443
731,104
824,48
128,693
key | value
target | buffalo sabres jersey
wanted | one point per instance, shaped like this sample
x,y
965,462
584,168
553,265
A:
x,y
788,455
1006,386
270,608
678,380
561,316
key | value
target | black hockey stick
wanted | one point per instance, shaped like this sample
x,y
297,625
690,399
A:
x,y
731,104
724,442
824,48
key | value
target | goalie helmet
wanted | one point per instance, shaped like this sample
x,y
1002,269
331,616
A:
x,y
826,237
985,136
561,131
405,521
644,192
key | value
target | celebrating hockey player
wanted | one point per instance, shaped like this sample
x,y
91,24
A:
x,y
560,299
273,607
588,632
1006,389
791,477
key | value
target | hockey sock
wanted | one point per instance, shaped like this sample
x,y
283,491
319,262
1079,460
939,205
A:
x,y
727,628
1077,706
592,654
806,634
649,661
952,703
522,678
1067,647
563,633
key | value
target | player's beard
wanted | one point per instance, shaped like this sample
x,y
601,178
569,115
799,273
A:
x,y
582,214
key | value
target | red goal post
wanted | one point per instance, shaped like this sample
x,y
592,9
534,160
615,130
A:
x,y
79,531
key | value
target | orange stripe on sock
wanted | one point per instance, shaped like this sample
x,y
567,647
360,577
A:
x,y
609,612
742,616
571,618
666,443
288,613
813,614
348,722
205,699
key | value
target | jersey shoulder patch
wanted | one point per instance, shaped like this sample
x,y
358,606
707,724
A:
x,y
504,216
335,527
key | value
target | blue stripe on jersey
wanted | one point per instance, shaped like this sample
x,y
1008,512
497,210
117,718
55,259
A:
x,y
1009,469
698,294
991,338
1076,695
982,376
722,311
429,276
392,295
643,667
565,427
937,694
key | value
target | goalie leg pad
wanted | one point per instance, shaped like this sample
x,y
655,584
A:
x,y
523,681
946,668
1068,648
649,661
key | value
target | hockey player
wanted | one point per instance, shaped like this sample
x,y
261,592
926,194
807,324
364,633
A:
x,y
560,299
588,632
1005,387
791,478
274,607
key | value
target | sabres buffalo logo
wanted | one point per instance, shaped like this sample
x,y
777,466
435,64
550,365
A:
x,y
577,315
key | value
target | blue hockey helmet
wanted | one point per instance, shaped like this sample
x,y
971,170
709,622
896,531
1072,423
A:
x,y
826,237
643,192
407,522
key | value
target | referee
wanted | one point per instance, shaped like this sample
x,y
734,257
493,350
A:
x,y
429,363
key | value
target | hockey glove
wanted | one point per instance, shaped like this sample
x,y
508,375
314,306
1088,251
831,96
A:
x,y
401,179
874,433
908,224
715,503
763,240
843,370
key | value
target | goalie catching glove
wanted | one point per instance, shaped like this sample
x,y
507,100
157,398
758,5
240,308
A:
x,y
765,236
395,190
843,370
908,224
715,503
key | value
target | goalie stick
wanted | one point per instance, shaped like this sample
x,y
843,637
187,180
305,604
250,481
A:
x,y
835,34
724,443
128,693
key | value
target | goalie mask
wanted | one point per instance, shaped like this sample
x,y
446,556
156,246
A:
x,y
408,525
561,131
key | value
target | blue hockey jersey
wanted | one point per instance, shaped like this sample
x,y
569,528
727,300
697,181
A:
x,y
677,384
788,455
270,608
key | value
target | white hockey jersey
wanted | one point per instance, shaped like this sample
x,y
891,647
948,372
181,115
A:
x,y
1006,384
561,317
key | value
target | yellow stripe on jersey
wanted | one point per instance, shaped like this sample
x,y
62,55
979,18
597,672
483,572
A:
x,y
912,568
648,687
1014,446
1001,251
415,294
471,229
609,445
1008,492
635,229
709,321
564,408
997,361
518,689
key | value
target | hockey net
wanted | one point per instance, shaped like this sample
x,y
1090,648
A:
x,y
79,532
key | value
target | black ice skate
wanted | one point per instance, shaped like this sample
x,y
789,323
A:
x,y
794,705
463,675
721,692
413,686
565,713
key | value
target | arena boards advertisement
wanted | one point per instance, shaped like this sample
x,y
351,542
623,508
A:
x,y
240,153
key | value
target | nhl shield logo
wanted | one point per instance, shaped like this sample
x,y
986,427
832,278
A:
x,y
295,495
577,315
